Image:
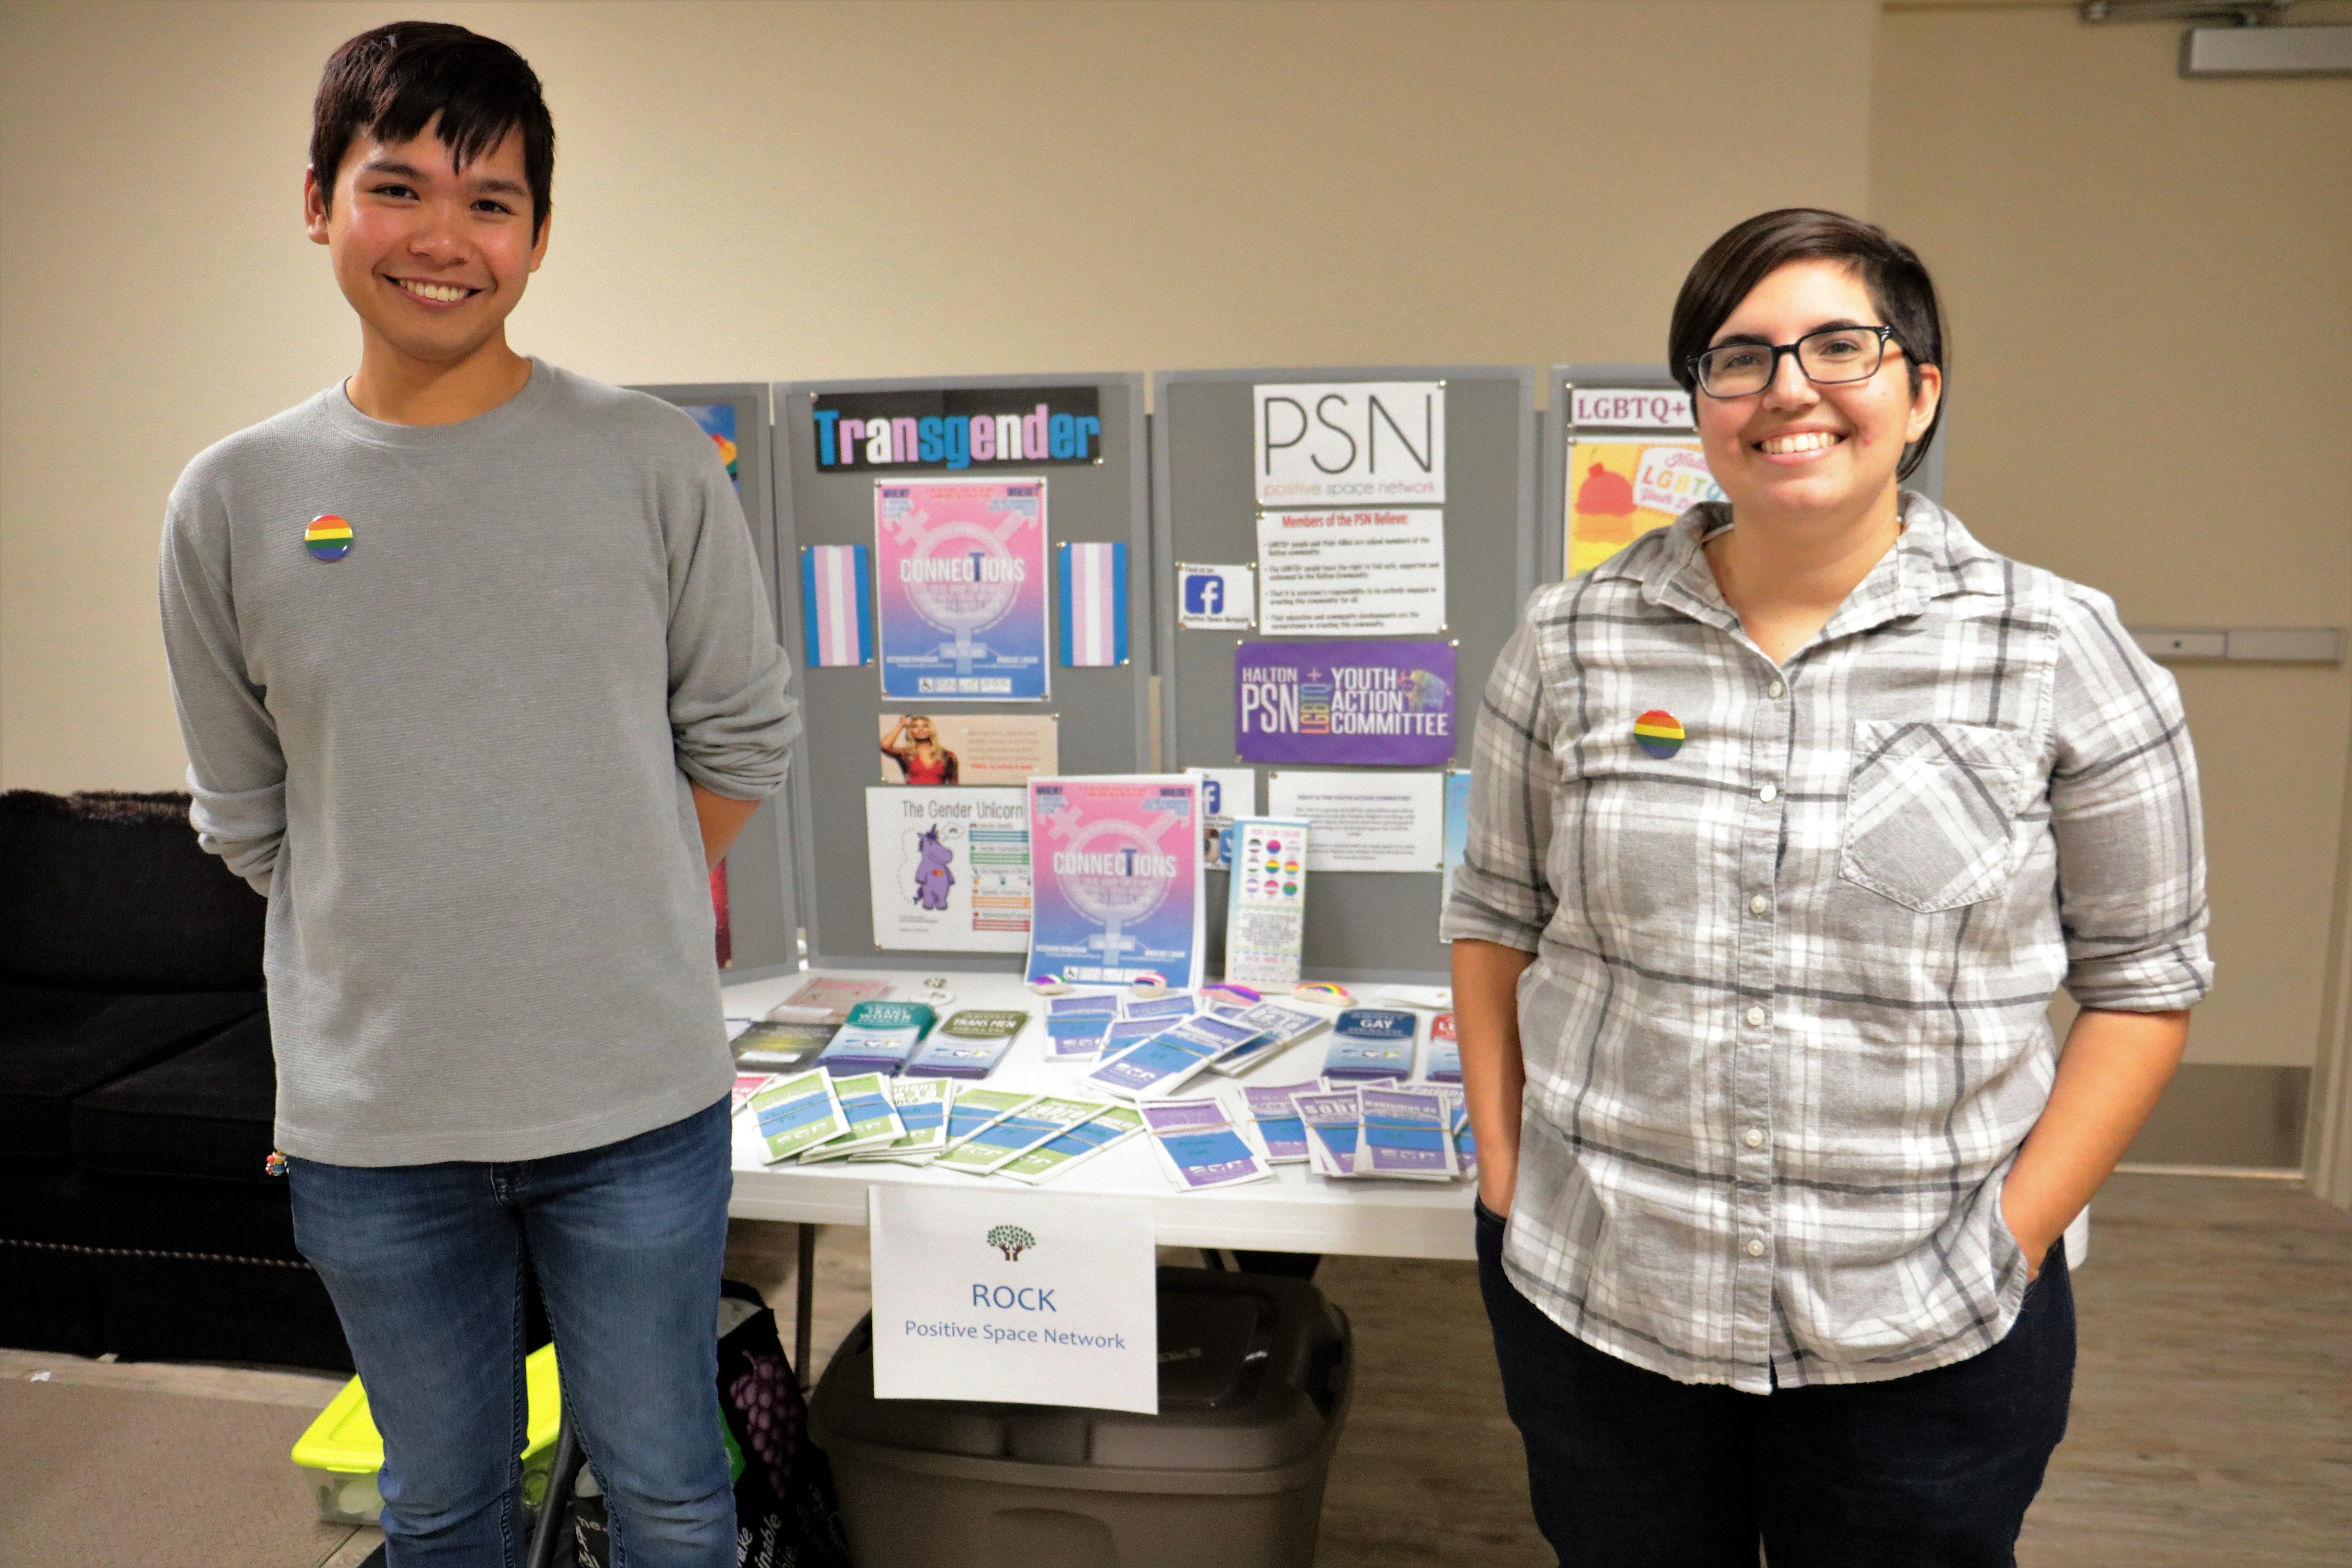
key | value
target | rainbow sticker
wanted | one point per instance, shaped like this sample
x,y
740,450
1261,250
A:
x,y
328,537
1659,734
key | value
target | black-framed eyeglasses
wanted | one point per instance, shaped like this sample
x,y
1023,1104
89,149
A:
x,y
1828,357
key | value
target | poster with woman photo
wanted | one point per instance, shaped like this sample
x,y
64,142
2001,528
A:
x,y
940,750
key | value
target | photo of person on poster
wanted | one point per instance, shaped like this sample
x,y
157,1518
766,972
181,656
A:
x,y
914,745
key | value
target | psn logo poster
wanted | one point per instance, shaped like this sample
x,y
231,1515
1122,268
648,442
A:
x,y
1116,882
1212,598
960,581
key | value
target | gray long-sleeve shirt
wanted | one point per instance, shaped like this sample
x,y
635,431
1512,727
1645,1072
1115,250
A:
x,y
456,759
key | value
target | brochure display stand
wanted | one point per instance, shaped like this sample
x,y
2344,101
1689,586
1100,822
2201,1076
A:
x,y
1340,556
761,934
965,584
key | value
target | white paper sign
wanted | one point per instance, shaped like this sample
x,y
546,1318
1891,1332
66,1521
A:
x,y
1630,408
949,868
1374,573
1014,1297
1212,598
1225,793
1365,822
1351,443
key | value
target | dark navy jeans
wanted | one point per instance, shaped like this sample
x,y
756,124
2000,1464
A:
x,y
1628,1468
427,1265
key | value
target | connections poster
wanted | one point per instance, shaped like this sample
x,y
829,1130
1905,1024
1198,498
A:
x,y
959,577
1116,882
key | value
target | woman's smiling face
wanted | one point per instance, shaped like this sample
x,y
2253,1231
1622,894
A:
x,y
1796,449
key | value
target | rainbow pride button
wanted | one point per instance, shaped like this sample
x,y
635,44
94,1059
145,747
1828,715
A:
x,y
328,537
1659,734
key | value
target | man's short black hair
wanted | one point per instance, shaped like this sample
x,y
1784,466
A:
x,y
391,82
1746,253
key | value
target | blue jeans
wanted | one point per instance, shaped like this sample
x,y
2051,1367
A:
x,y
1628,1468
427,1265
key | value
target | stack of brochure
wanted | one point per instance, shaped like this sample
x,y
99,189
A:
x,y
1111,1125
773,1048
1371,1042
1199,1147
827,999
796,1113
969,1044
1017,1132
1158,1066
1281,1132
873,1117
922,1105
1074,1027
1444,1051
1279,1028
1385,1128
879,1038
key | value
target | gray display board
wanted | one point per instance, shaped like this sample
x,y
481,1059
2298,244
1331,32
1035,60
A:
x,y
764,918
1103,711
1561,431
1361,925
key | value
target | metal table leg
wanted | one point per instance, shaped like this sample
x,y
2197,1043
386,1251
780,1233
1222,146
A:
x,y
804,1288
554,1507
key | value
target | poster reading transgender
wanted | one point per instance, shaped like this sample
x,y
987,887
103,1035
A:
x,y
1385,703
959,577
1115,879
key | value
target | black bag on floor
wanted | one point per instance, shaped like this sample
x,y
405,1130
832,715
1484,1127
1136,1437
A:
x,y
786,1515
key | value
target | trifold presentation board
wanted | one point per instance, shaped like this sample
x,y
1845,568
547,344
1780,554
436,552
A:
x,y
966,596
1340,556
762,916
1621,457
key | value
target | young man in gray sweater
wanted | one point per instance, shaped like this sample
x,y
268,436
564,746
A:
x,y
477,677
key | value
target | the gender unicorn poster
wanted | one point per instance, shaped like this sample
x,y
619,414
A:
x,y
1117,879
949,868
960,582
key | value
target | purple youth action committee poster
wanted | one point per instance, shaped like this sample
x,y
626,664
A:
x,y
1380,702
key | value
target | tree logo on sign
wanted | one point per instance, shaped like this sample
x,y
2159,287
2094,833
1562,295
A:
x,y
1012,1241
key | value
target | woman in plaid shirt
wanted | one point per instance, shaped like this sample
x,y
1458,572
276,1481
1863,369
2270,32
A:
x,y
1787,822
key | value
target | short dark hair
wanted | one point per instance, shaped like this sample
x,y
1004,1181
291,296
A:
x,y
390,82
1900,289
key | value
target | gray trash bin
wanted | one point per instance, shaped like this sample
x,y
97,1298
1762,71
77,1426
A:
x,y
1254,1374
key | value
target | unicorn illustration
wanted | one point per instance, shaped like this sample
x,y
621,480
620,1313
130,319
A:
x,y
932,877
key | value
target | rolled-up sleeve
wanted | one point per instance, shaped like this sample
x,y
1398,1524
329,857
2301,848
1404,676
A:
x,y
731,704
237,771
1501,891
2130,834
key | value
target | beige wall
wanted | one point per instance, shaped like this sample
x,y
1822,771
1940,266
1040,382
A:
x,y
2146,278
2149,283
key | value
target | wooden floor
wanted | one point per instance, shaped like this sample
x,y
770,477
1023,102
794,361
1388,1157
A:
x,y
2213,1416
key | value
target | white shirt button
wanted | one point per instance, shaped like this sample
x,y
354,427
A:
x,y
1757,1015
1759,904
1755,1247
1776,689
1769,794
1753,1138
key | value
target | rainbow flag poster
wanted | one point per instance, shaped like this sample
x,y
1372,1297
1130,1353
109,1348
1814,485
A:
x,y
328,537
1659,734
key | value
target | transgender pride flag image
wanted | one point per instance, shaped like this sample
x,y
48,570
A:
x,y
1093,604
836,604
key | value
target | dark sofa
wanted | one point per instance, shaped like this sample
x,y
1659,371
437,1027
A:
x,y
136,1089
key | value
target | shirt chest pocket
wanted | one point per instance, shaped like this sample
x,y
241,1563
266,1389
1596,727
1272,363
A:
x,y
1928,809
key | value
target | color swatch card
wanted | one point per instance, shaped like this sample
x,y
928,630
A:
x,y
866,1105
960,580
1161,1065
1116,879
1114,1125
1406,1132
1280,1128
1265,901
1444,1051
797,1114
969,1044
1371,1042
922,1105
1199,1147
879,1038
1278,1027
975,1109
770,1046
1010,1137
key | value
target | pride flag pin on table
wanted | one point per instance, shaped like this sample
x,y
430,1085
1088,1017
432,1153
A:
x,y
1322,991
1146,985
1048,984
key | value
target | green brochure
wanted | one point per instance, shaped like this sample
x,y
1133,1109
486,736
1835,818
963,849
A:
x,y
798,1112
1075,1146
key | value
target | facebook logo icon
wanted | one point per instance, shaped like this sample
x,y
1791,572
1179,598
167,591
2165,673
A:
x,y
1215,595
1204,593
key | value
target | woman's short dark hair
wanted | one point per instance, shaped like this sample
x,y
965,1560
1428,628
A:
x,y
390,82
1900,289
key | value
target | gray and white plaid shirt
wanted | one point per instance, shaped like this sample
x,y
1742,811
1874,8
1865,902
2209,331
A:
x,y
1787,1019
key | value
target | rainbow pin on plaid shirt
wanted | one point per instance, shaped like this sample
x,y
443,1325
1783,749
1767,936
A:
x,y
1659,734
328,537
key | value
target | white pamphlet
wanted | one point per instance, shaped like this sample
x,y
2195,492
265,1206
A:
x,y
1365,821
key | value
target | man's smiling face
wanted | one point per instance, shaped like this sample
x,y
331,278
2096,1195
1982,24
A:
x,y
433,257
